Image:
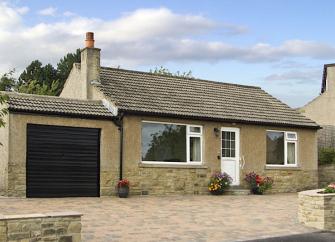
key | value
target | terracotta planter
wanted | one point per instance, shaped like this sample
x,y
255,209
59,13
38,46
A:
x,y
123,192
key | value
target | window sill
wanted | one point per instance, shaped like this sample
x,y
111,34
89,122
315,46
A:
x,y
279,167
178,166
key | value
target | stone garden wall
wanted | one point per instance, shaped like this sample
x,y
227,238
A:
x,y
56,227
317,210
326,175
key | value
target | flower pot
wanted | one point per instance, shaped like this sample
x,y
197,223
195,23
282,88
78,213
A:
x,y
123,192
217,192
256,191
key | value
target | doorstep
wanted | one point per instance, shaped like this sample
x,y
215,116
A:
x,y
237,190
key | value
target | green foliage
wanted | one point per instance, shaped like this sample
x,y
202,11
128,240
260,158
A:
x,y
46,80
33,87
64,66
164,71
326,155
3,110
8,81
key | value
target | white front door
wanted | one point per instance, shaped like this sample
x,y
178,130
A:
x,y
230,153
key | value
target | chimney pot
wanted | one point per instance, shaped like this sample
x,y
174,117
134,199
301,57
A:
x,y
89,42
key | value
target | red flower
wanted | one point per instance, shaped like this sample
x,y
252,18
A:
x,y
123,183
259,180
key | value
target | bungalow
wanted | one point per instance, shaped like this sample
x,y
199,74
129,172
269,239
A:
x,y
165,134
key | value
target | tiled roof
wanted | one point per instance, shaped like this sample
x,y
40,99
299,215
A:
x,y
56,105
147,93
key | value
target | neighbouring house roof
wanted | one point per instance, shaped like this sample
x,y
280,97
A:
x,y
153,94
324,77
56,105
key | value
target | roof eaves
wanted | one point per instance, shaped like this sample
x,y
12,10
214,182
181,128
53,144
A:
x,y
62,114
257,122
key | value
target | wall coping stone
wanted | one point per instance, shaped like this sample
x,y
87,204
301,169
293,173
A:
x,y
314,193
41,215
147,165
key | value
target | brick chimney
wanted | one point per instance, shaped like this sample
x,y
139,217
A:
x,y
90,65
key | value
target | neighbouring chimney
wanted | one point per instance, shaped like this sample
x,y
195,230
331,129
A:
x,y
90,65
328,82
89,42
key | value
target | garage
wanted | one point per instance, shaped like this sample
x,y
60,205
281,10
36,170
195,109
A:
x,y
62,161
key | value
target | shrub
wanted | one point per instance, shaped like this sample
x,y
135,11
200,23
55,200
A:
x,y
219,182
257,183
326,155
123,183
330,188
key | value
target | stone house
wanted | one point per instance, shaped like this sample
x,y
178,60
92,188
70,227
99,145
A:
x,y
320,108
165,134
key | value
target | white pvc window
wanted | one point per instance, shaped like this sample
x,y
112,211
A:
x,y
171,143
281,148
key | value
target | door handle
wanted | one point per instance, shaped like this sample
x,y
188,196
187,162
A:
x,y
242,162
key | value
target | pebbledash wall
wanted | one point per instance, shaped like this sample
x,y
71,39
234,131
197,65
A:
x,y
162,179
182,179
15,142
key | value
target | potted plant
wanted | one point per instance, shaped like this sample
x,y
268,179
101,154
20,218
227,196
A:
x,y
219,182
329,189
123,188
258,184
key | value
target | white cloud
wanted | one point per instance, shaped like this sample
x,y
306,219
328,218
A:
x,y
145,36
296,76
50,11
23,10
69,14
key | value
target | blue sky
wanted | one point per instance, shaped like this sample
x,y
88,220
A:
x,y
278,45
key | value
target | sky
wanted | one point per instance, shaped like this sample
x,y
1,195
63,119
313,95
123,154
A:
x,y
280,45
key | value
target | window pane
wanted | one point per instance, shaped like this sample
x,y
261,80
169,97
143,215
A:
x,y
232,153
228,144
195,149
163,142
194,129
225,153
291,153
275,148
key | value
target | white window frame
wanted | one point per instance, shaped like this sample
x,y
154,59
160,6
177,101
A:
x,y
189,134
286,141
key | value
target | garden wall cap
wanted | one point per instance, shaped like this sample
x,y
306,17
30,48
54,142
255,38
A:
x,y
315,193
40,215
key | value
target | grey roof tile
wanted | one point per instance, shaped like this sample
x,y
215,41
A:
x,y
56,105
143,92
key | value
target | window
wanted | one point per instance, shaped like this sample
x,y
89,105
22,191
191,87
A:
x,y
281,148
228,144
176,143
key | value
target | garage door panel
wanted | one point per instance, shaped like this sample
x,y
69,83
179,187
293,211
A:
x,y
62,161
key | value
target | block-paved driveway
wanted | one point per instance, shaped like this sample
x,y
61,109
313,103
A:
x,y
174,218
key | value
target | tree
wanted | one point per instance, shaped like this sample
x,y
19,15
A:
x,y
34,87
46,80
65,64
3,110
164,71
8,81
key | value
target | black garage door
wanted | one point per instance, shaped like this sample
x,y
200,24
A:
x,y
62,161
